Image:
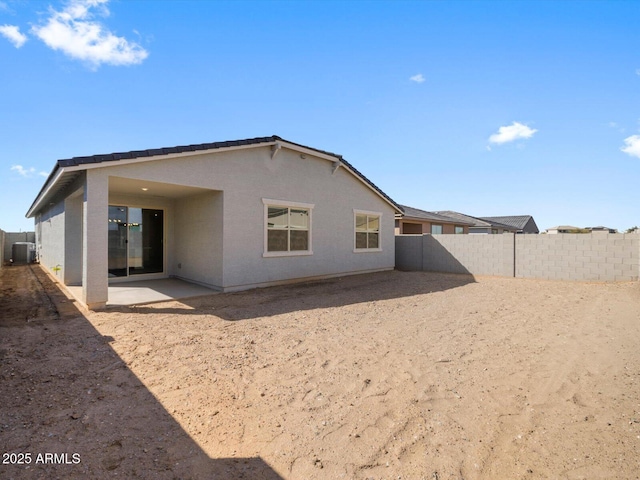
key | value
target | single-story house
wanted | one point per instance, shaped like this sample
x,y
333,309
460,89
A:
x,y
523,223
228,215
416,221
601,229
479,225
565,229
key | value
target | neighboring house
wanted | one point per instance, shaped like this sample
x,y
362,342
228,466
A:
x,y
565,229
227,215
523,223
602,229
479,225
416,221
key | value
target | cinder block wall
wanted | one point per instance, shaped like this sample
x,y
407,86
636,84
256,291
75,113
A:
x,y
475,254
1,248
409,252
12,237
584,257
589,257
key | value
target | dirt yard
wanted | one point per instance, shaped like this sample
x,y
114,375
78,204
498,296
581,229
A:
x,y
384,376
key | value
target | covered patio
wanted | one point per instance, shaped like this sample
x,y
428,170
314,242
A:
x,y
142,237
148,291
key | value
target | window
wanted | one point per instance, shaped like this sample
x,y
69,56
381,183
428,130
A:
x,y
367,230
411,228
287,228
436,229
459,230
494,231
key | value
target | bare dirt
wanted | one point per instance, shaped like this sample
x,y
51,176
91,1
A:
x,y
383,376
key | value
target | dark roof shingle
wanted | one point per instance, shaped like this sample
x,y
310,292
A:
x,y
476,221
417,213
516,221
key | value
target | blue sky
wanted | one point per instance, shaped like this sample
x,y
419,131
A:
x,y
486,108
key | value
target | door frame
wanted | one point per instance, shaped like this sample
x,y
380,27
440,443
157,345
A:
x,y
143,276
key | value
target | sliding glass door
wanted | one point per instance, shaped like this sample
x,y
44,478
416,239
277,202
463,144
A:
x,y
117,241
135,241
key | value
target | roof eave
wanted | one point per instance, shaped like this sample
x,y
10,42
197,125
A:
x,y
63,166
49,183
444,220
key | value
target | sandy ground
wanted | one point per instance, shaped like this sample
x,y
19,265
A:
x,y
384,376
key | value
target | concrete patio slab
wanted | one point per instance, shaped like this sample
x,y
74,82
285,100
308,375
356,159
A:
x,y
148,291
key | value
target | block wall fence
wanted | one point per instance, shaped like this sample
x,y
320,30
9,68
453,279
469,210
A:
x,y
12,237
598,256
1,248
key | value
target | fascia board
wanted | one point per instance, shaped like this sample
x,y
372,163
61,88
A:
x,y
44,193
309,151
129,161
284,143
371,188
168,156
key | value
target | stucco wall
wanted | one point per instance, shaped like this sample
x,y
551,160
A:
x,y
50,246
58,234
584,257
245,177
72,271
335,197
198,254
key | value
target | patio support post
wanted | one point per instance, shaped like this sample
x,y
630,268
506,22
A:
x,y
95,282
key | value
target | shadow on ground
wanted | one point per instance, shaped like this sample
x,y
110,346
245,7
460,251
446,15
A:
x,y
65,391
331,293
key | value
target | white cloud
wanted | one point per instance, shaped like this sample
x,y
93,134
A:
x,y
75,32
512,132
632,146
419,78
638,71
27,172
616,126
12,33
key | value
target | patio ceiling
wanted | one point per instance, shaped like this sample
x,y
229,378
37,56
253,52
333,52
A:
x,y
132,186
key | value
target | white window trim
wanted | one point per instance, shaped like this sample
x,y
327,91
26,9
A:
x,y
268,202
367,212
